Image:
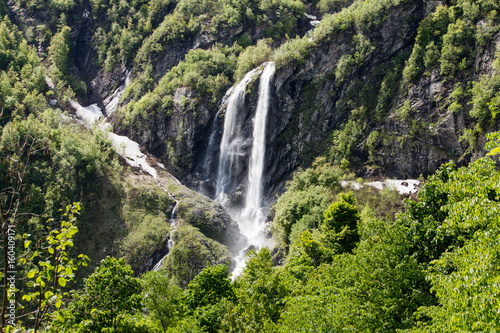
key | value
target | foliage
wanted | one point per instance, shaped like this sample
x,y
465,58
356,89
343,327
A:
x,y
310,194
462,270
340,224
140,30
21,75
485,93
456,48
209,287
109,294
343,141
190,254
307,254
302,206
329,6
397,273
433,267
448,35
147,215
50,266
162,298
127,25
294,51
205,299
59,53
207,72
443,241
428,43
47,267
252,57
261,292
348,62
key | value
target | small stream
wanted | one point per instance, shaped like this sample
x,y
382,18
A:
x,y
129,150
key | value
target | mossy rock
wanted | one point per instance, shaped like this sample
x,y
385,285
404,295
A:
x,y
191,253
203,213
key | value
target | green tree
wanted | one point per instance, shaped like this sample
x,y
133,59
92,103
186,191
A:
x,y
305,255
261,292
162,298
110,293
456,48
59,53
209,287
340,224
207,297
17,154
51,267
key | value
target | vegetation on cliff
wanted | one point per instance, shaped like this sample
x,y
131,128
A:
x,y
359,260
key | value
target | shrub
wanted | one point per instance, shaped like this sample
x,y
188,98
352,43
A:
x,y
252,57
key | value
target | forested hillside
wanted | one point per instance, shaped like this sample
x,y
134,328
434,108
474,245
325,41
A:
x,y
219,165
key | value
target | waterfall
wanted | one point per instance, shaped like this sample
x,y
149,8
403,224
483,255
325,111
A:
x,y
252,215
250,218
230,146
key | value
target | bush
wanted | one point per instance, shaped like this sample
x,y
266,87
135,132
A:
x,y
340,224
456,48
330,6
252,57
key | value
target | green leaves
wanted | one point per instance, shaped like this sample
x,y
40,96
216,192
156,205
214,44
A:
x,y
494,151
51,266
62,281
109,293
32,273
209,286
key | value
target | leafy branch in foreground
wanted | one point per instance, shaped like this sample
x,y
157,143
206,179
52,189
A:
x,y
53,268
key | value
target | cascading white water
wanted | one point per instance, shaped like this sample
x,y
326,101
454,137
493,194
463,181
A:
x,y
251,219
231,138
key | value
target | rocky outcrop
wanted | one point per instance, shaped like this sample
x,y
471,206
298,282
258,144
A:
x,y
199,211
191,253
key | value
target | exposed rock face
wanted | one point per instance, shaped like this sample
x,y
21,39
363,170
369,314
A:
x,y
199,211
309,103
440,129
174,139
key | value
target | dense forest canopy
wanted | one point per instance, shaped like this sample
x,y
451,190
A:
x,y
362,89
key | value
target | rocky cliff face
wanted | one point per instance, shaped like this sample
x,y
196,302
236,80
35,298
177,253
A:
x,y
398,129
309,101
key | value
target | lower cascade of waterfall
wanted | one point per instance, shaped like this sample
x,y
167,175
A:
x,y
251,217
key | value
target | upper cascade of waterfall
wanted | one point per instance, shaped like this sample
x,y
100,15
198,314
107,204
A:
x,y
256,165
87,115
231,138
